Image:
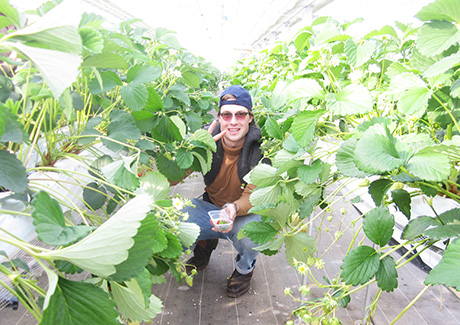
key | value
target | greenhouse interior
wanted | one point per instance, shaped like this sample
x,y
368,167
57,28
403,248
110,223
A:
x,y
325,133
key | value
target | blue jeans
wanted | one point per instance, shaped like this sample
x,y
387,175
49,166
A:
x,y
246,258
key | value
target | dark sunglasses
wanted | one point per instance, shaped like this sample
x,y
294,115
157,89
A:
x,y
227,116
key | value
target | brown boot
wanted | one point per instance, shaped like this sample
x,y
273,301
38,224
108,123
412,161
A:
x,y
238,284
201,254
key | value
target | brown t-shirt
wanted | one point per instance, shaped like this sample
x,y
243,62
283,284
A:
x,y
227,187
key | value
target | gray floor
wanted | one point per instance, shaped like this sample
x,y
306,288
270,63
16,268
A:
x,y
265,303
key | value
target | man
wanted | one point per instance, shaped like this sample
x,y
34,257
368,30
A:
x,y
238,151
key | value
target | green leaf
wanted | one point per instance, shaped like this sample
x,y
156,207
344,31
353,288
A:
x,y
430,166
205,164
301,40
414,101
59,69
271,246
135,96
191,79
143,74
264,175
443,232
13,174
272,128
94,195
446,272
387,276
73,303
154,184
259,232
174,247
308,205
120,131
442,65
378,190
345,159
106,61
353,99
204,137
376,152
310,173
130,302
91,253
166,130
280,213
440,10
92,39
303,127
10,128
109,80
360,265
304,88
402,199
154,102
359,54
184,158
437,36
378,225
49,222
170,169
140,253
188,233
307,189
416,227
267,194
299,247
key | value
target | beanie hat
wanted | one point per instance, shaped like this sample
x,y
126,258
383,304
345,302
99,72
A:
x,y
242,97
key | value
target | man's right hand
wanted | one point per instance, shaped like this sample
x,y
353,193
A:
x,y
218,135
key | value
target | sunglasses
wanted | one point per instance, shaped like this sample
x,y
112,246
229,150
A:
x,y
227,116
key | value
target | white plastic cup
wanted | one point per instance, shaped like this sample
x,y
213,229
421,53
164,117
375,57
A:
x,y
220,220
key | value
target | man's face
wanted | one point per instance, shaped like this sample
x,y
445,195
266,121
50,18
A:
x,y
235,120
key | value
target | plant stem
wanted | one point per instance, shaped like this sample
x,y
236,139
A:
x,y
410,304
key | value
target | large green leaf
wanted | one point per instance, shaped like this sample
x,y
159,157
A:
x,y
345,159
440,10
73,303
188,233
414,101
436,36
310,173
402,200
378,190
259,232
353,99
191,79
280,213
91,253
107,81
134,95
59,69
130,302
359,54
155,184
94,195
204,137
174,247
443,231
375,152
143,74
303,127
92,39
13,174
184,158
306,190
49,222
264,175
299,247
11,14
416,227
360,265
166,130
170,169
430,166
387,276
272,128
106,61
140,253
442,65
10,128
304,88
378,225
267,194
120,131
446,272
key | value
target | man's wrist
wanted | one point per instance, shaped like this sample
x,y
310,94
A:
x,y
231,203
